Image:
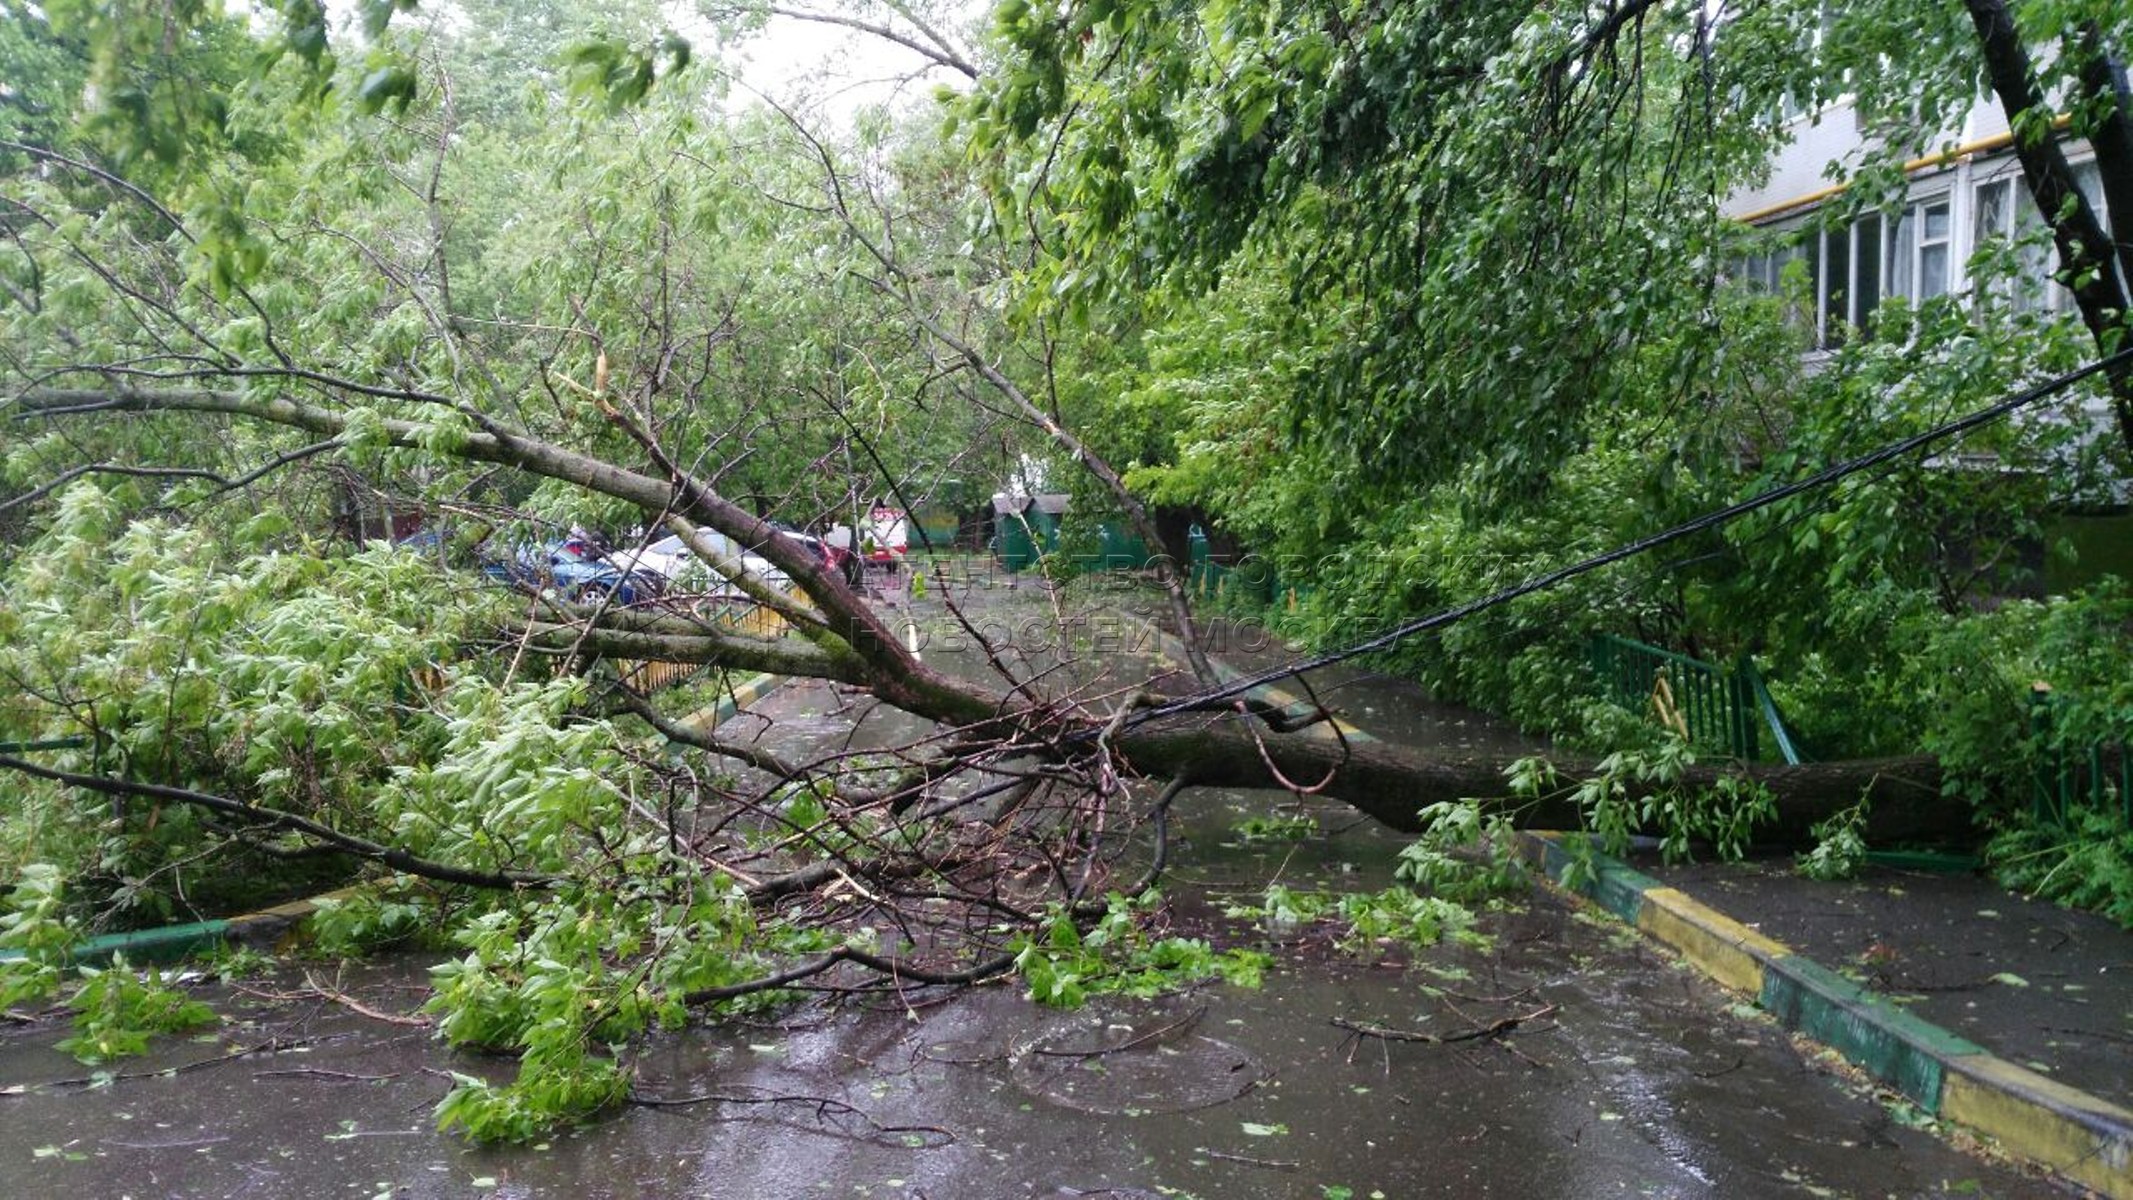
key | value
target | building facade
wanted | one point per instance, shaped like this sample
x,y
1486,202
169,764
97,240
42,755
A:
x,y
1966,198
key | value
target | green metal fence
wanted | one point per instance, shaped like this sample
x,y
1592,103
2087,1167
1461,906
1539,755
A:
x,y
1766,707
1254,580
65,743
1200,572
1026,537
942,530
2071,768
1122,549
1721,709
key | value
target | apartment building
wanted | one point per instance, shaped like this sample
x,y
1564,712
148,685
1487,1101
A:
x,y
1965,197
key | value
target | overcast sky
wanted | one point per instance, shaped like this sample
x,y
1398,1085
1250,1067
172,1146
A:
x,y
836,69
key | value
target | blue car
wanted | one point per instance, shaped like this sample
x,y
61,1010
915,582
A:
x,y
583,573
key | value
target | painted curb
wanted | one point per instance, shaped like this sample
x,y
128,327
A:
x,y
260,930
165,944
2076,1135
741,695
271,928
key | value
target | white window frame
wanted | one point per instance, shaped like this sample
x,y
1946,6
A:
x,y
1837,307
2019,218
1906,250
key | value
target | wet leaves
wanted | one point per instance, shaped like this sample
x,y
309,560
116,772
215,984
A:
x,y
59,1152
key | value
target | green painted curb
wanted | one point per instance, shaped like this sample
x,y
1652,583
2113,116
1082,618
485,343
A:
x,y
173,943
1615,886
167,944
1893,1046
2076,1135
743,694
728,706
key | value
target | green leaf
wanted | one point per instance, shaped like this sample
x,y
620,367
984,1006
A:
x,y
389,85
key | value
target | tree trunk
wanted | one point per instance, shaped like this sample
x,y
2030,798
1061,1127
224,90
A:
x,y
856,648
1393,785
2085,247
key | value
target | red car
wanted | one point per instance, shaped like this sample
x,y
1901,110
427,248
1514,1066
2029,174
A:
x,y
836,558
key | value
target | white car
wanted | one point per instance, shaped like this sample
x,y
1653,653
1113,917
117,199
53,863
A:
x,y
672,560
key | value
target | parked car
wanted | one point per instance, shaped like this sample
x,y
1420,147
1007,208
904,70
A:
x,y
837,558
581,571
520,571
670,560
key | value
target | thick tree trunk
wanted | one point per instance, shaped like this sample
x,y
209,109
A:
x,y
1393,785
2086,253
2110,107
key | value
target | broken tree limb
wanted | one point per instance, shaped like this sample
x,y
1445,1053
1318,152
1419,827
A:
x,y
857,647
1493,1029
269,818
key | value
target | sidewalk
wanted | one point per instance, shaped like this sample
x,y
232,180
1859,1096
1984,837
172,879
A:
x,y
2009,1017
2043,986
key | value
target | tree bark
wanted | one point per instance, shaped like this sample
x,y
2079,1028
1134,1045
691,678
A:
x,y
2110,103
2085,247
1393,785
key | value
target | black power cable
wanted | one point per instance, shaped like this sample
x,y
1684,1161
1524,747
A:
x,y
1710,520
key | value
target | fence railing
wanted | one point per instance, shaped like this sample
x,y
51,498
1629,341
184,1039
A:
x,y
2072,768
733,613
1723,709
63,743
1255,581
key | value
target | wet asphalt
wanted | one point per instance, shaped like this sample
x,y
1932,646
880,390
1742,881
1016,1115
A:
x,y
1612,1070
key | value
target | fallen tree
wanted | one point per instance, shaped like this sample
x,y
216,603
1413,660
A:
x,y
842,638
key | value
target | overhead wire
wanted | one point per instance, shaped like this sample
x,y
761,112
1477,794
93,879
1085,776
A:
x,y
1200,701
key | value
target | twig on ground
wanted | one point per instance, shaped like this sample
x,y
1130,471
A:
x,y
323,1073
270,1046
1493,1029
358,1007
1278,1164
186,1144
1184,1022
825,1108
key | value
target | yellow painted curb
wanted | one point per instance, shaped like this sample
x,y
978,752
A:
x,y
736,700
1720,946
294,909
274,928
2079,1137
2037,1117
